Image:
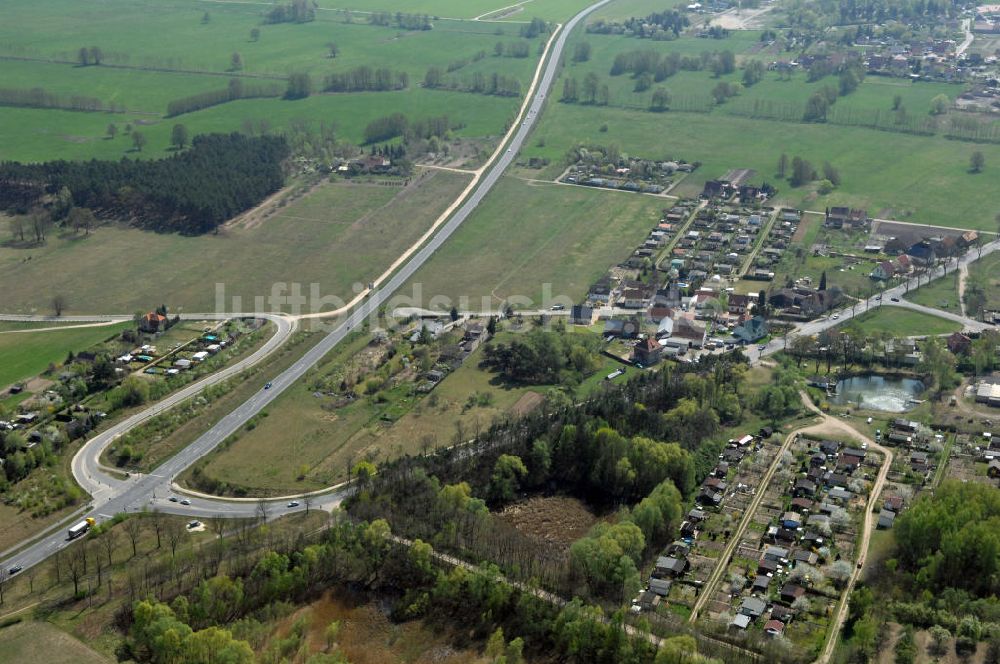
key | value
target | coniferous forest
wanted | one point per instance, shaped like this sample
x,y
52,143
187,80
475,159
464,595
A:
x,y
191,192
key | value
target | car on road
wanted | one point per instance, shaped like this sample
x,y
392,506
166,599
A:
x,y
185,502
173,499
14,570
267,386
194,524
894,299
558,307
293,503
835,316
878,298
762,347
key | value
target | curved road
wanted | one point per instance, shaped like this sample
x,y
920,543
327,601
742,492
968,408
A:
x,y
113,496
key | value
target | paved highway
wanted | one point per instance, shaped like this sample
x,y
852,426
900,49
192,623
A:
x,y
112,496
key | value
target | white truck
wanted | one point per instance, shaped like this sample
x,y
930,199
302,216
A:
x,y
81,528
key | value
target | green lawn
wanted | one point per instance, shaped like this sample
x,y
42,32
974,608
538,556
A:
x,y
902,322
527,239
941,191
339,235
26,354
941,294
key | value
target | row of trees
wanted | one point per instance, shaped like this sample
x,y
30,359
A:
x,y
480,83
659,25
42,98
236,89
190,192
296,11
397,124
366,79
661,66
401,20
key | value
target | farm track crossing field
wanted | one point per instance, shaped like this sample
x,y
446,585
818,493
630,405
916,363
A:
x,y
339,234
26,354
526,235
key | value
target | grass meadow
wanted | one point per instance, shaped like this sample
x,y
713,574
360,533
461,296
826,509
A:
x,y
337,235
923,179
525,235
155,53
26,354
903,322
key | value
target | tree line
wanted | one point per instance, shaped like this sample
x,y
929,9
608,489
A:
x,y
397,124
401,20
365,78
190,192
663,25
480,83
296,11
42,98
236,89
660,67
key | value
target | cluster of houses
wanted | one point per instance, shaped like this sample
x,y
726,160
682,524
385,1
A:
x,y
735,186
473,334
989,453
626,174
797,535
716,243
775,244
920,254
673,564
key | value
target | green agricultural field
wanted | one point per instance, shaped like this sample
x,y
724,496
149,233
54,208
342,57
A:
x,y
941,191
26,354
336,236
903,322
526,235
154,53
941,294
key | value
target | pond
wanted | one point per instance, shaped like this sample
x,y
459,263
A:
x,y
875,392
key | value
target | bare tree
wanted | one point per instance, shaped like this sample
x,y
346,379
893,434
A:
x,y
133,528
156,520
57,561
110,541
58,304
175,531
76,567
262,510
31,573
307,500
3,583
218,526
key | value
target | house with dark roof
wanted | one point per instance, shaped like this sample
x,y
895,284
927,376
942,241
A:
x,y
647,352
922,253
959,344
886,518
791,592
752,330
581,314
668,566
